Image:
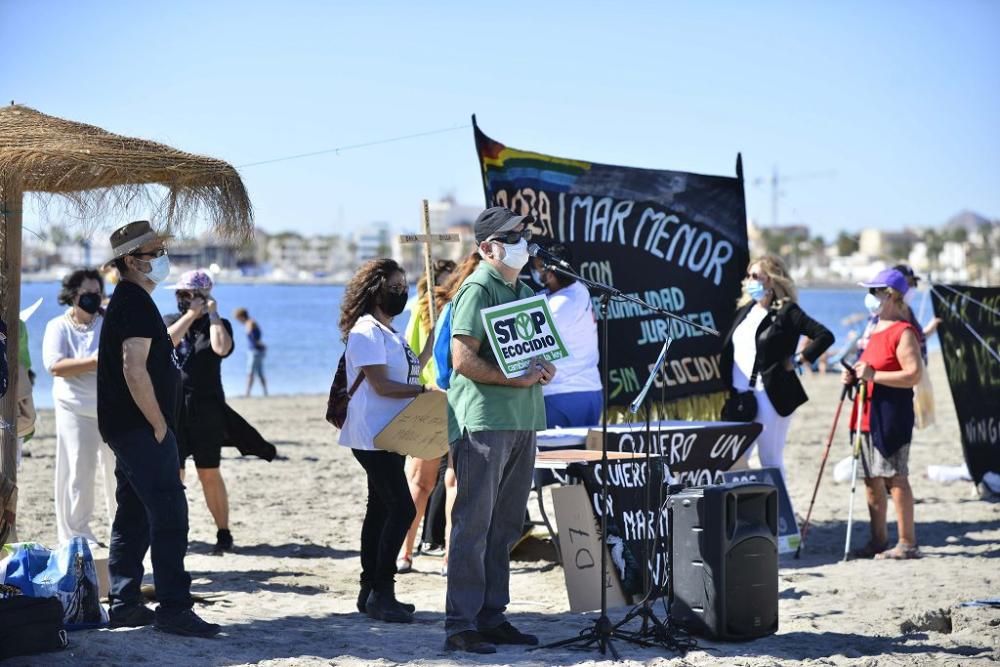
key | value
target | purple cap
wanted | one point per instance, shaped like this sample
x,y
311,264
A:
x,y
193,280
888,278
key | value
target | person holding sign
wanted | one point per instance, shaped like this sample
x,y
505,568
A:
x,y
891,365
492,421
574,397
759,351
384,374
422,474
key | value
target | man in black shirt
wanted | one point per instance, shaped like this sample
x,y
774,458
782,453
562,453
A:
x,y
202,339
137,389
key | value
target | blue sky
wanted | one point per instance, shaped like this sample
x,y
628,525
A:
x,y
898,102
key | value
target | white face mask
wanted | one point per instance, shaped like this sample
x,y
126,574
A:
x,y
515,256
159,268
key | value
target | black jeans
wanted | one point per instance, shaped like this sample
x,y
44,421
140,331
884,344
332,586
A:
x,y
152,515
388,516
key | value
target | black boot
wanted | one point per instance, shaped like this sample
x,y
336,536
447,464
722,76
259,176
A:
x,y
383,606
366,590
223,542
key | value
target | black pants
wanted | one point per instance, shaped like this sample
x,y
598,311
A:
x,y
434,517
152,515
388,516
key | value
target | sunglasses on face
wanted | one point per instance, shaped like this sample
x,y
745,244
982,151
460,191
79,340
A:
x,y
876,291
510,238
159,252
754,276
185,294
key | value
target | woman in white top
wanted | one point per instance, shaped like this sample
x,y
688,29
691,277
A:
x,y
69,352
390,379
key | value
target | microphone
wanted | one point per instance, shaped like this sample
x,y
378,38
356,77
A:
x,y
541,253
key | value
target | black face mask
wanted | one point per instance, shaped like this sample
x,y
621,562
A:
x,y
393,304
183,305
89,303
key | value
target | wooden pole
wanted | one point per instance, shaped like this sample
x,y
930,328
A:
x,y
10,307
432,307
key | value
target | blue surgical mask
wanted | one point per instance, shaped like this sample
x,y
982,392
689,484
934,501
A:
x,y
873,304
754,289
159,268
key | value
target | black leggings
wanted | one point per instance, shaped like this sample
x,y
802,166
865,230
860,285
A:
x,y
389,515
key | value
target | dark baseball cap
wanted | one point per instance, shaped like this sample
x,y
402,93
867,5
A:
x,y
497,219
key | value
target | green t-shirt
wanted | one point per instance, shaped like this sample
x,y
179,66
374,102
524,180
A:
x,y
24,356
488,407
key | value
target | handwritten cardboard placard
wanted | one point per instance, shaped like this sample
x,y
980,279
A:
x,y
580,547
520,331
420,430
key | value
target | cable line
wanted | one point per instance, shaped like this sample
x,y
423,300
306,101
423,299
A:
x,y
354,146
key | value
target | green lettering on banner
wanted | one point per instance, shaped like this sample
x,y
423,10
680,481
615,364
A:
x,y
520,331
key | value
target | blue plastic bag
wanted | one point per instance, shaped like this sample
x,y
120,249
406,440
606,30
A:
x,y
20,562
71,576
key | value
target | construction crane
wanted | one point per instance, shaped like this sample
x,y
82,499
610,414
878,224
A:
x,y
778,179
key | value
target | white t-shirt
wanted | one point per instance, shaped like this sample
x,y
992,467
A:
x,y
745,348
574,315
369,344
64,341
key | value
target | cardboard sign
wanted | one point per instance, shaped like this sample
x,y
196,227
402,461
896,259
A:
x,y
420,430
580,547
520,331
788,529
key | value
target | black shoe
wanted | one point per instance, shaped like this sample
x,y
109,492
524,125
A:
x,y
384,607
469,641
505,633
131,616
185,623
366,590
223,542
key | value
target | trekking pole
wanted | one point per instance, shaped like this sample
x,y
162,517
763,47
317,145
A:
x,y
822,465
862,391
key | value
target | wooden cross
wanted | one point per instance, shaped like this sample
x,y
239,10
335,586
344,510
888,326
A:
x,y
426,238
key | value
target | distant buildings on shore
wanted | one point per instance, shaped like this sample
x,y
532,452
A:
x,y
965,249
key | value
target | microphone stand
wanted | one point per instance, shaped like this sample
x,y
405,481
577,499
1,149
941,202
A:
x,y
603,631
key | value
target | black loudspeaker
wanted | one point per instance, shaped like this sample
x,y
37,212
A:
x,y
724,560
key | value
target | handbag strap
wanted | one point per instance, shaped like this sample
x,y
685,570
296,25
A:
x,y
357,383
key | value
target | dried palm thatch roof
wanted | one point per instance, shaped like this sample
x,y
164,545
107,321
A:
x,y
97,172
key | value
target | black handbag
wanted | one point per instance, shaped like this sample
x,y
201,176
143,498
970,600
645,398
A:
x,y
30,625
741,406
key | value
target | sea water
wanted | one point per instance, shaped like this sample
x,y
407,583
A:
x,y
299,326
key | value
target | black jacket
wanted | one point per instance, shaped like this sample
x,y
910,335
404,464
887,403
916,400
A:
x,y
777,338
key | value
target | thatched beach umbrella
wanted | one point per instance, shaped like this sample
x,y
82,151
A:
x,y
97,174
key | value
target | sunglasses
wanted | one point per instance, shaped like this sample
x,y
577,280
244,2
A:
x,y
754,276
186,294
875,291
510,238
159,252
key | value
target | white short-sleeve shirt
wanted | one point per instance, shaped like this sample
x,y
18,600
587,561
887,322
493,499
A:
x,y
573,312
369,344
64,341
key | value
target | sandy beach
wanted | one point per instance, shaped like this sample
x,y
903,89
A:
x,y
287,595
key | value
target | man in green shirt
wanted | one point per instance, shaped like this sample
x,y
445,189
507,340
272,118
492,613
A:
x,y
492,424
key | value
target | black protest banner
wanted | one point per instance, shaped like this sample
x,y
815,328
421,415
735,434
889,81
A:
x,y
633,526
970,343
674,239
696,453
